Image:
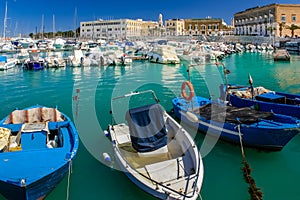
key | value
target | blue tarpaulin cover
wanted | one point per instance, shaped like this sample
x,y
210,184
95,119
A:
x,y
147,127
3,59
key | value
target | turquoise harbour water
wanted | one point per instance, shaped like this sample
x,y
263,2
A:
x,y
84,94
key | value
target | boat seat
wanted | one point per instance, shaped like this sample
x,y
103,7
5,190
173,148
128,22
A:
x,y
160,171
123,136
162,150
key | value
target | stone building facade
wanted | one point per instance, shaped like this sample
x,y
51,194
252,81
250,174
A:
x,y
206,26
174,27
270,20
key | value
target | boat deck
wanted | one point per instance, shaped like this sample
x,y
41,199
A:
x,y
138,160
231,114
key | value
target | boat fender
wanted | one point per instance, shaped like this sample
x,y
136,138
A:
x,y
191,116
191,89
106,133
106,157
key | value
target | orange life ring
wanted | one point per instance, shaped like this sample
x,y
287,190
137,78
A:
x,y
191,89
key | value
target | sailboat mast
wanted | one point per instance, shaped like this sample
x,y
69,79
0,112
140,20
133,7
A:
x,y
5,19
75,22
53,26
42,27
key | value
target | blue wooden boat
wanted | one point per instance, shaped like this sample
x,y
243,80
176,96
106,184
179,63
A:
x,y
263,130
262,99
37,146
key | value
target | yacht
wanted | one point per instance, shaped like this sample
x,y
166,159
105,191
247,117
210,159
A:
x,y
164,54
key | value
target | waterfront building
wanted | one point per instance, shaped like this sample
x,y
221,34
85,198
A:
x,y
119,28
174,27
148,28
126,28
206,26
270,20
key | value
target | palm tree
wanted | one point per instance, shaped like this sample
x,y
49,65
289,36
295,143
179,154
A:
x,y
293,27
281,27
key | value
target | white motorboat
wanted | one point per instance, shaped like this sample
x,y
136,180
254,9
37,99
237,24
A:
x,y
7,63
55,60
164,54
155,152
77,59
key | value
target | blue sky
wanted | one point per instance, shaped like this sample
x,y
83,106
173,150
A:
x,y
25,15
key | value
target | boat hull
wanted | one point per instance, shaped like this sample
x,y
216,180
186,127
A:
x,y
43,155
32,65
36,190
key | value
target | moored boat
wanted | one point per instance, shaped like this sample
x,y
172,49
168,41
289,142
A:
x,y
7,63
262,99
37,147
258,129
281,55
164,54
34,62
156,153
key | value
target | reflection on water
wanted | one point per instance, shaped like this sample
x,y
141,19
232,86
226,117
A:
x,y
95,86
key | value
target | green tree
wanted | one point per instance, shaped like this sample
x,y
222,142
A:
x,y
293,27
281,27
271,29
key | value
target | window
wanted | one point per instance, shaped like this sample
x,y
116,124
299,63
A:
x,y
283,18
190,26
293,17
209,27
202,27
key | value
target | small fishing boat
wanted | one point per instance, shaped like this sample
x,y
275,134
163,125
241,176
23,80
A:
x,y
156,153
262,130
34,62
262,99
37,146
281,55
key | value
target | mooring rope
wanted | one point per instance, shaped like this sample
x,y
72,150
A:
x,y
200,196
69,176
255,193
